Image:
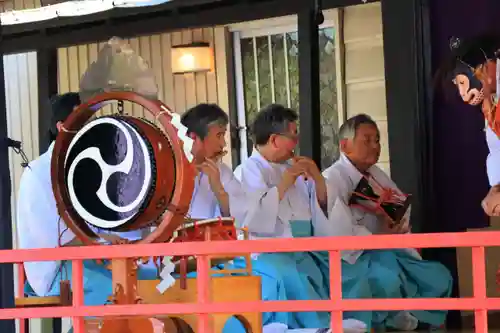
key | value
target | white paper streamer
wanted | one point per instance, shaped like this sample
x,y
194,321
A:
x,y
187,142
167,280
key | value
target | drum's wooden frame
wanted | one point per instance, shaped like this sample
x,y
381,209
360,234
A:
x,y
183,185
128,289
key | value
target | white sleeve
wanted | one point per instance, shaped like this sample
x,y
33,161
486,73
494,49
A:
x,y
237,197
37,227
318,217
34,211
493,159
493,167
264,205
341,222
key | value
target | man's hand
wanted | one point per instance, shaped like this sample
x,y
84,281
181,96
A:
x,y
491,204
212,171
210,168
290,176
313,171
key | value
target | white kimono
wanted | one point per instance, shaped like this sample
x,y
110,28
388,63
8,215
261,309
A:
x,y
493,159
267,216
385,273
38,222
341,180
204,203
284,276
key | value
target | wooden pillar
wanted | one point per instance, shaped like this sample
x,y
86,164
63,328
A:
x,y
47,87
309,95
6,270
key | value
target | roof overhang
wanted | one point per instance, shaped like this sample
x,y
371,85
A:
x,y
147,20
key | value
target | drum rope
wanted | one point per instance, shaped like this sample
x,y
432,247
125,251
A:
x,y
65,130
158,115
120,107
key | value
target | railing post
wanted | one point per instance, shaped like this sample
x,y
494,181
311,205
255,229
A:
x,y
479,283
203,286
21,280
336,290
77,289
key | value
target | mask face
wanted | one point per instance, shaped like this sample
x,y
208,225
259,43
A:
x,y
469,87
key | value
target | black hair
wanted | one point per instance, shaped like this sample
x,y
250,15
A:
x,y
466,55
200,117
61,107
272,119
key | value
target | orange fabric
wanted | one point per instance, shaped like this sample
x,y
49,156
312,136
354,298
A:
x,y
493,118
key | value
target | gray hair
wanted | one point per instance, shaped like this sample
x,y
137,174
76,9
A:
x,y
199,118
348,129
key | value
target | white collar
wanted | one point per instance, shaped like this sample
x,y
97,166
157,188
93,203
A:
x,y
352,172
257,155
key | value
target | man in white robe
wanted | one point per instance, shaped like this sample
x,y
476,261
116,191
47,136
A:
x,y
283,192
40,226
391,273
217,192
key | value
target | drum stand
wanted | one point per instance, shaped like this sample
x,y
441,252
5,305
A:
x,y
129,290
124,273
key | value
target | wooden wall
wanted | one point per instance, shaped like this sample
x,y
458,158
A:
x,y
9,5
180,92
364,76
22,112
22,120
364,68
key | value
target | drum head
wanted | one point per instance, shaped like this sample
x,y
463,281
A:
x,y
122,173
110,170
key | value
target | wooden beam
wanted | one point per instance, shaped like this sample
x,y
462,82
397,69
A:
x,y
133,22
47,87
117,13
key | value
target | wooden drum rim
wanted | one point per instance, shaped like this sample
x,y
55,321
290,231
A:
x,y
214,226
185,174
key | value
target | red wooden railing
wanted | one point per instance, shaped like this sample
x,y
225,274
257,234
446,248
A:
x,y
480,303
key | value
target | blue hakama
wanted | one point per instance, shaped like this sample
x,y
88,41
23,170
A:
x,y
392,274
292,276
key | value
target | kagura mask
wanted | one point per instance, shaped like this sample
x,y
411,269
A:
x,y
470,88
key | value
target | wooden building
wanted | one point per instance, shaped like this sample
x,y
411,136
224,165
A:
x,y
370,57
